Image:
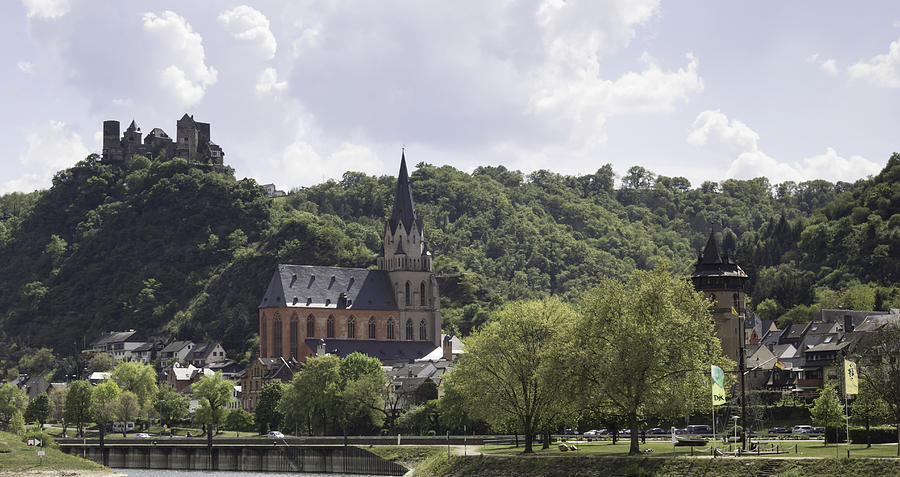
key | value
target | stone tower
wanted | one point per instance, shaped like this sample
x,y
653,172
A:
x,y
112,144
722,280
406,258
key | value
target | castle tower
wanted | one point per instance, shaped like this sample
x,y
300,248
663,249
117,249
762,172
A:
x,y
112,143
406,258
131,140
723,281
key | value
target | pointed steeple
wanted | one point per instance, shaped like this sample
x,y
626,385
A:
x,y
404,211
711,252
132,127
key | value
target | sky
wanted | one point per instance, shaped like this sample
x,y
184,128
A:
x,y
298,92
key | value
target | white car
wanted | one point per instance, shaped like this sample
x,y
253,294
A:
x,y
592,433
275,435
802,429
142,435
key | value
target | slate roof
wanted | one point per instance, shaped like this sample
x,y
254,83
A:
x,y
130,336
311,286
386,351
203,349
176,346
404,211
143,347
711,263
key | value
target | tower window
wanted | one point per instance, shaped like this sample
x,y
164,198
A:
x,y
409,330
276,335
423,331
372,328
295,342
407,294
263,348
390,328
310,326
422,294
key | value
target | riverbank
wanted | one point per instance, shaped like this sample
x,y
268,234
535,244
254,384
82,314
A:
x,y
552,466
18,459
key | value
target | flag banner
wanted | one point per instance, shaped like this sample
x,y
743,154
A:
x,y
851,378
780,365
733,311
718,386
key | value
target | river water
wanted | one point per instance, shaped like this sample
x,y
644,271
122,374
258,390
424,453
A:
x,y
203,473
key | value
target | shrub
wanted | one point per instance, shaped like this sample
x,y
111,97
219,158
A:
x,y
879,435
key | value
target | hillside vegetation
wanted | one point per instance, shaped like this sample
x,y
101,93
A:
x,y
181,251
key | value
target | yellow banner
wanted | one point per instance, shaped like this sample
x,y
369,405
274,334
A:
x,y
851,378
718,386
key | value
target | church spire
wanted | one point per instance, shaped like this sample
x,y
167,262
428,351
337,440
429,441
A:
x,y
404,211
711,253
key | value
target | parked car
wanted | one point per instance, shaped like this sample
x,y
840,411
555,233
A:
x,y
778,430
699,429
142,435
570,432
679,432
593,433
657,431
802,429
818,431
275,435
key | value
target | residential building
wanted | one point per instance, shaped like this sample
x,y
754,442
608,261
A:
x,y
176,351
260,372
120,345
204,354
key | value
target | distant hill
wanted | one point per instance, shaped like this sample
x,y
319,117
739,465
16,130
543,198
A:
x,y
181,251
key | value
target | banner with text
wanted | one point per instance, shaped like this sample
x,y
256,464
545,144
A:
x,y
718,386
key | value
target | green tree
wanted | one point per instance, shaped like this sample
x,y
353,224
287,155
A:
x,y
138,378
78,404
171,405
868,408
101,363
37,363
12,400
266,415
509,371
643,348
882,369
214,394
239,420
104,404
58,403
128,408
827,410
39,409
16,424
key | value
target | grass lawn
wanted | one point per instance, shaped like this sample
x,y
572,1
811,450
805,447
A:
x,y
15,455
808,448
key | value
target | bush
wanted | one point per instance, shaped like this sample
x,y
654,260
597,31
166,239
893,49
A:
x,y
46,438
878,435
835,434
430,433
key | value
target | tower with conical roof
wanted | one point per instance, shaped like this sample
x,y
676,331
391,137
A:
x,y
724,282
406,258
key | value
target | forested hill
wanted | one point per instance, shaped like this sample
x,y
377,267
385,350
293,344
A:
x,y
181,251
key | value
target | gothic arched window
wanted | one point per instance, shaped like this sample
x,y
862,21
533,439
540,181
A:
x,y
351,327
295,339
407,294
372,328
262,329
390,328
310,326
422,294
329,327
409,330
423,331
276,335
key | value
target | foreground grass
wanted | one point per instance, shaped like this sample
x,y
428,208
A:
x,y
664,449
552,466
16,456
408,456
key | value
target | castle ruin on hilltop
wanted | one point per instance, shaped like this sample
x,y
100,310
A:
x,y
192,143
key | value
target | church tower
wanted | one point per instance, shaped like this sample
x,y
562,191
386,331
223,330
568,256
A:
x,y
722,280
406,258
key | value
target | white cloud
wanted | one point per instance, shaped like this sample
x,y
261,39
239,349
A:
x,y
46,9
829,66
25,67
268,82
189,76
249,24
737,140
882,70
301,163
50,148
123,101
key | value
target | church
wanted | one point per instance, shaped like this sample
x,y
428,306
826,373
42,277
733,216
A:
x,y
391,312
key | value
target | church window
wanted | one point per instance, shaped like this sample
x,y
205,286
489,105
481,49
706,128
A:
x,y
409,330
263,347
407,294
329,327
390,328
351,327
422,294
276,335
372,328
310,326
295,342
423,331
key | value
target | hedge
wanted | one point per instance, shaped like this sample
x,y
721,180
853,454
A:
x,y
878,435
